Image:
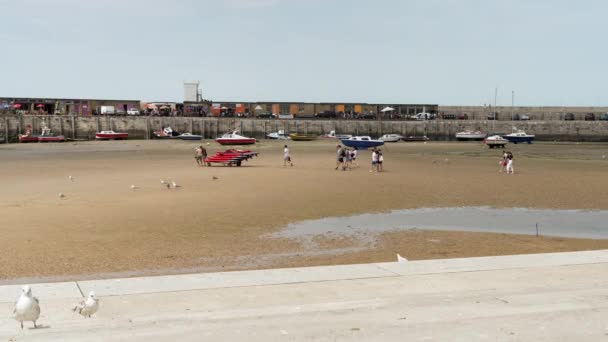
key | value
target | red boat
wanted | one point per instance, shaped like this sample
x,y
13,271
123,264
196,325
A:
x,y
230,157
28,137
48,136
235,138
111,135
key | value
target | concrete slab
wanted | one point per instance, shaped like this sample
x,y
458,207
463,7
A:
x,y
186,282
561,296
9,293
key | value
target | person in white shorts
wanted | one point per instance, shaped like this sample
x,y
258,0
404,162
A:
x,y
510,163
286,157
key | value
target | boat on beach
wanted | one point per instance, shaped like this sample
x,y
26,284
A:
x,y
333,135
415,138
111,135
48,136
188,136
361,142
496,141
391,138
234,138
280,135
165,133
302,137
471,136
520,137
230,157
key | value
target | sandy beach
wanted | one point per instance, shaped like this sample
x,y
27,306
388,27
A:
x,y
102,227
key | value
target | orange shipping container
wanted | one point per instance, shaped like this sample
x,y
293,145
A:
x,y
358,108
339,108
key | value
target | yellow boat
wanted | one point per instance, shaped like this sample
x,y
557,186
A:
x,y
302,137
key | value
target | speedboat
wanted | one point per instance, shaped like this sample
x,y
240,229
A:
x,y
27,137
111,135
333,135
280,135
362,142
391,138
230,157
189,136
166,133
234,138
414,138
48,136
519,137
496,141
471,135
302,137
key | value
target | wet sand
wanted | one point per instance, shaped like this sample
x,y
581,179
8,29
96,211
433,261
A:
x,y
103,227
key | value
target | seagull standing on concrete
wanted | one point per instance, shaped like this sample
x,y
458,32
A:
x,y
87,307
27,307
401,259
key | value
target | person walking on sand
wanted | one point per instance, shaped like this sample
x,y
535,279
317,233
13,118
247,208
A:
x,y
339,156
374,161
348,158
503,162
198,155
380,161
286,157
510,163
354,154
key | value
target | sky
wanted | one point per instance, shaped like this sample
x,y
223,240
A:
x,y
447,52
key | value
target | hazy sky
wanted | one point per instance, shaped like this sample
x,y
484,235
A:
x,y
451,52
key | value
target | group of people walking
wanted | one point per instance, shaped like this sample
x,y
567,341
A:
x,y
506,162
346,157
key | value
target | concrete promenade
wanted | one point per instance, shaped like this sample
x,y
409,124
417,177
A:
x,y
543,297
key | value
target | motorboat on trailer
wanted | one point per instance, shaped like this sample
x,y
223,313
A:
x,y
234,138
111,135
188,136
520,137
362,142
471,136
391,138
230,157
496,141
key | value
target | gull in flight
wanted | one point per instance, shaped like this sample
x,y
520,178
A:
x,y
401,259
87,307
27,307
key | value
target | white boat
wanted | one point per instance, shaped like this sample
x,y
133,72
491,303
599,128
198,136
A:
x,y
471,135
235,138
391,138
496,141
520,137
333,135
280,135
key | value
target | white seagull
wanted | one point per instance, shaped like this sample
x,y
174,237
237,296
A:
x,y
133,187
401,259
71,178
175,186
61,195
162,181
27,307
87,307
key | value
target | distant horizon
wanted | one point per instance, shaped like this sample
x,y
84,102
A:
x,y
445,52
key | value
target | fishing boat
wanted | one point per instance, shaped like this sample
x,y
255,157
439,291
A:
x,y
189,136
391,138
415,138
496,141
280,135
362,142
234,138
471,136
519,137
48,136
111,135
302,137
333,135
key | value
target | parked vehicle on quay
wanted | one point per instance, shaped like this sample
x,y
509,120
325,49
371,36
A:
x,y
569,116
423,116
132,111
107,110
492,116
589,117
604,117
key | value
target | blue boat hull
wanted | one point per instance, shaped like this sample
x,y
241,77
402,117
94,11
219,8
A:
x,y
516,140
361,144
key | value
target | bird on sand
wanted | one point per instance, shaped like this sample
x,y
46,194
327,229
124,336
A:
x,y
87,307
71,178
133,187
27,307
175,185
401,259
60,195
214,178
162,181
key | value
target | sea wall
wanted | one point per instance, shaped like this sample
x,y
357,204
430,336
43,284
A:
x,y
78,127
